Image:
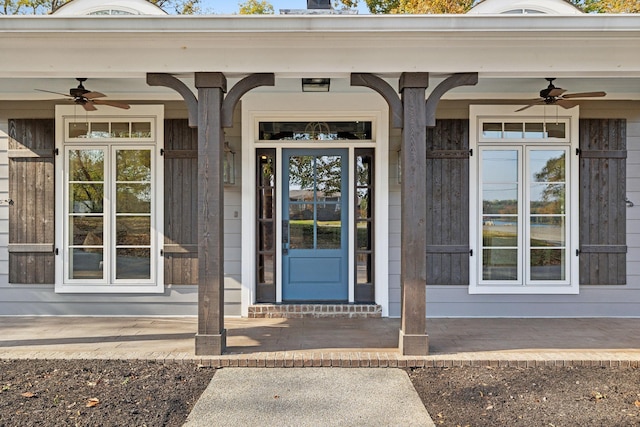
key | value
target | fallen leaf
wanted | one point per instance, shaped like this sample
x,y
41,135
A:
x,y
637,403
28,394
92,402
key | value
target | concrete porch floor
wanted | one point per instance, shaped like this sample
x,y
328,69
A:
x,y
328,342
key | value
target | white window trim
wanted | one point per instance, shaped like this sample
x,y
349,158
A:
x,y
478,113
156,144
298,107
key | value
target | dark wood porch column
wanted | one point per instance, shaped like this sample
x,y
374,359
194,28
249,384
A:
x,y
211,112
413,329
211,337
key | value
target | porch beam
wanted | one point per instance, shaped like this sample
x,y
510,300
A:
x,y
211,336
453,81
167,80
239,89
385,90
413,333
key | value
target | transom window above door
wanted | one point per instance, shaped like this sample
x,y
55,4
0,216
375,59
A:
x,y
314,131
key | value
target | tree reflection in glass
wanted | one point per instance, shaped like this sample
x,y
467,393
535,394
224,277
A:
x,y
86,213
315,202
133,214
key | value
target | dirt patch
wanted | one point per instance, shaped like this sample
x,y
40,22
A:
x,y
98,392
140,393
532,397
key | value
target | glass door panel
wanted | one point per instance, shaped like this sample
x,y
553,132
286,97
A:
x,y
547,214
265,223
133,201
86,217
364,199
500,189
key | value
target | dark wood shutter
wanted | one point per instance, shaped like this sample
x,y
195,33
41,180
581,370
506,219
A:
x,y
31,189
447,191
180,203
603,208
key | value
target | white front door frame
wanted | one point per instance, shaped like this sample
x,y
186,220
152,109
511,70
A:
x,y
314,107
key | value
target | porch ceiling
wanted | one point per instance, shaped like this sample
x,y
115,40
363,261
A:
x,y
512,54
488,88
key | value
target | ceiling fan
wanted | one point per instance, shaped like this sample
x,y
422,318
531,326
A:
x,y
555,96
86,98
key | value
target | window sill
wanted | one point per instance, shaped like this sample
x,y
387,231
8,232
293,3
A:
x,y
524,290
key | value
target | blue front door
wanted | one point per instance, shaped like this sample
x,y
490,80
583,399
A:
x,y
315,225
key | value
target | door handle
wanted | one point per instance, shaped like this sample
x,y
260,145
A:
x,y
285,237
285,231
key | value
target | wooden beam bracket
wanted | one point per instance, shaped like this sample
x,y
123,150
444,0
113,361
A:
x,y
388,93
239,89
167,80
453,81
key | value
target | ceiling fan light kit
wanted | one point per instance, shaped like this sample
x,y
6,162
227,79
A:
x,y
86,98
552,95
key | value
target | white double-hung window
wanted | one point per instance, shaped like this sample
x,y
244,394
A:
x,y
524,200
109,200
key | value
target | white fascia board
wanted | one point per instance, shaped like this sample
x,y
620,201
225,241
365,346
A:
x,y
323,24
593,45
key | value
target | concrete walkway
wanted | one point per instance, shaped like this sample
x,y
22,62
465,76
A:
x,y
309,397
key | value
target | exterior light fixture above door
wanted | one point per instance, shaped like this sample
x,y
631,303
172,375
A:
x,y
316,85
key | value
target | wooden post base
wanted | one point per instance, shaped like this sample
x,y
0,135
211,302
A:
x,y
413,345
211,345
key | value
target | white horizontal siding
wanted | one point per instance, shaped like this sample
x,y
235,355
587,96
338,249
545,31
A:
x,y
395,225
42,300
631,292
233,227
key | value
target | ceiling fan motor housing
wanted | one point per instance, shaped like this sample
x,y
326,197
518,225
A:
x,y
78,92
546,93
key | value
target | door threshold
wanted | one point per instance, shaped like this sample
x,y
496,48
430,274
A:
x,y
315,310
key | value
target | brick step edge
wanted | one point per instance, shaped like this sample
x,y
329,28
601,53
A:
x,y
293,311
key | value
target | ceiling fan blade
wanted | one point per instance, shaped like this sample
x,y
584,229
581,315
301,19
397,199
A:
x,y
565,104
57,93
532,104
88,106
92,95
112,103
557,91
585,95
